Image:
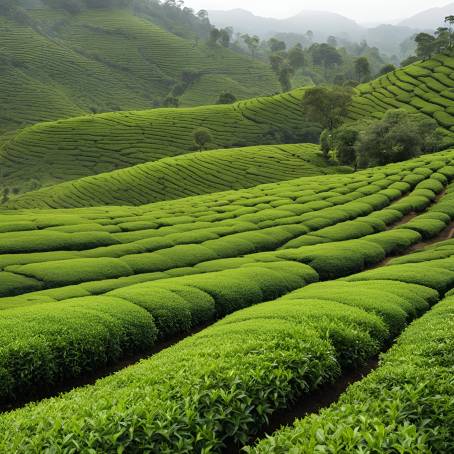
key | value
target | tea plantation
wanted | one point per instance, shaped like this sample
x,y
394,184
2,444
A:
x,y
183,176
298,278
69,149
57,65
239,293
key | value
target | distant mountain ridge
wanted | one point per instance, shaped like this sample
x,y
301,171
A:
x,y
431,18
387,37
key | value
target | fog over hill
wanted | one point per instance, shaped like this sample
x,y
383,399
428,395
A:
x,y
387,37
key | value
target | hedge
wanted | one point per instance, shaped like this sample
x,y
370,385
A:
x,y
215,388
45,345
405,405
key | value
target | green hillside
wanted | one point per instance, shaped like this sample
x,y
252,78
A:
x,y
64,150
56,65
83,289
68,149
183,176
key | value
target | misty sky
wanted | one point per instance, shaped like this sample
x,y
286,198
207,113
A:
x,y
363,11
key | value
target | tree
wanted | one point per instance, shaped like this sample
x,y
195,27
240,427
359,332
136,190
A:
x,y
277,45
225,37
362,68
389,68
215,35
296,57
426,45
325,56
449,20
226,98
203,15
327,106
398,136
344,142
202,137
171,101
285,76
252,43
325,143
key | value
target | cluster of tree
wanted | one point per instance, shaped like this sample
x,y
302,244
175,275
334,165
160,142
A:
x,y
398,136
442,40
284,63
221,36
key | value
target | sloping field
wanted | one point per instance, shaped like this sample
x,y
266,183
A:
x,y
65,150
71,278
182,176
98,284
108,60
68,149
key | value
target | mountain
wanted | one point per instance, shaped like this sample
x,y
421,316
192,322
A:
x,y
321,23
56,64
429,19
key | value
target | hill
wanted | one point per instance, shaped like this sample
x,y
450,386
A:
x,y
54,152
55,64
429,19
182,176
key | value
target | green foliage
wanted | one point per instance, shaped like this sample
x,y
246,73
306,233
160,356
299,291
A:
x,y
42,346
401,404
202,137
327,106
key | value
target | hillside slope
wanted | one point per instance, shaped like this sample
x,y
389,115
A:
x,y
57,65
182,176
64,150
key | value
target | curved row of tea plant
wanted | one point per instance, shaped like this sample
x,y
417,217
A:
x,y
65,150
182,287
96,248
182,176
406,405
220,386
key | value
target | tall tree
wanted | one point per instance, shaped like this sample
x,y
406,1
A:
x,y
276,45
426,45
327,106
326,56
362,68
252,43
296,57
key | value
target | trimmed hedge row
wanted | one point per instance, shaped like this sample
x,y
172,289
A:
x,y
406,405
220,386
45,345
80,335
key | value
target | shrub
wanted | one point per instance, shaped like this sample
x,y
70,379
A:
x,y
74,271
14,284
171,313
437,278
414,378
44,345
45,240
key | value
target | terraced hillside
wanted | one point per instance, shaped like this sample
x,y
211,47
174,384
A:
x,y
68,149
182,176
65,65
83,289
65,150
